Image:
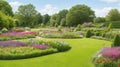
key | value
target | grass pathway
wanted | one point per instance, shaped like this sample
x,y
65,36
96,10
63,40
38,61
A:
x,y
79,56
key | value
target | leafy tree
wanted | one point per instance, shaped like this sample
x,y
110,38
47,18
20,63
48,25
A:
x,y
113,15
116,41
53,20
62,14
6,21
26,15
46,18
6,8
38,19
63,22
99,20
79,14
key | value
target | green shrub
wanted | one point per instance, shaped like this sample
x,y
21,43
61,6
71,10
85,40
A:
x,y
61,46
108,27
88,34
99,20
115,24
4,30
70,35
26,52
78,28
116,41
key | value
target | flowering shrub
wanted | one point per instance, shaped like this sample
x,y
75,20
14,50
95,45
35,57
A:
x,y
62,35
23,52
20,50
17,35
59,45
107,57
12,44
40,46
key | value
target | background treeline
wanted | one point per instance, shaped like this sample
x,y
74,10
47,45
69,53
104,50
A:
x,y
28,16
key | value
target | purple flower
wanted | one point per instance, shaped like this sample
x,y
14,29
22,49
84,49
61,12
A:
x,y
111,52
40,46
12,44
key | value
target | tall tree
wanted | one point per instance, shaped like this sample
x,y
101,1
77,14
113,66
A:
x,y
62,14
53,20
26,15
113,15
46,18
79,14
6,21
6,8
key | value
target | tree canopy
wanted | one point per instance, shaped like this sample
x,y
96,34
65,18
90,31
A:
x,y
113,15
79,14
26,15
6,8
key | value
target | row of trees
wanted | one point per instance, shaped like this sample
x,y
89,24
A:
x,y
28,16
113,15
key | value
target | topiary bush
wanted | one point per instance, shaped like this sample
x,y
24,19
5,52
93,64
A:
x,y
116,41
88,34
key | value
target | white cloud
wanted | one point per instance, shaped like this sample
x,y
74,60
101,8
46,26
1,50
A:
x,y
49,9
15,5
110,1
102,12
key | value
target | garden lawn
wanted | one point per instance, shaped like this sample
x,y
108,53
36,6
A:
x,y
79,56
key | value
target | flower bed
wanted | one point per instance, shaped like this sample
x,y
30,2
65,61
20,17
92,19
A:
x,y
61,35
107,57
21,50
17,35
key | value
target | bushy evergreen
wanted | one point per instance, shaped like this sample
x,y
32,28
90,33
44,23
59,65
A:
x,y
88,34
116,41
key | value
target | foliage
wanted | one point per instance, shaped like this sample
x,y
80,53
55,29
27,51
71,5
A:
x,y
45,19
99,20
108,27
26,15
115,24
6,21
23,52
62,35
4,30
60,45
63,22
107,57
53,20
32,48
88,34
79,14
6,8
88,24
61,17
78,28
113,15
17,35
116,41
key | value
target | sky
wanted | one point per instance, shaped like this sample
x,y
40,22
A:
x,y
101,7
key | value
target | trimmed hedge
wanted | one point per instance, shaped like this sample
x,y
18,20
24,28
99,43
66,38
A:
x,y
115,24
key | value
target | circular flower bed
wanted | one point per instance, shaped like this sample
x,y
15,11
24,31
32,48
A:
x,y
20,50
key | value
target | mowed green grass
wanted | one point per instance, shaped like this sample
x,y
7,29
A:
x,y
79,56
